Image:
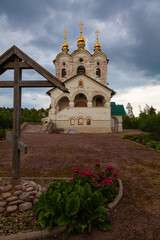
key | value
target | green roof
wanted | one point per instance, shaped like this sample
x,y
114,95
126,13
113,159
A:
x,y
117,109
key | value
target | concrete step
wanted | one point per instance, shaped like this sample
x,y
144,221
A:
x,y
33,128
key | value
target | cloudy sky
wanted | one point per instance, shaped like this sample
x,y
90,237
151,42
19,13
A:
x,y
129,36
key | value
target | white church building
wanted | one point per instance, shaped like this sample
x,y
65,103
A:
x,y
87,107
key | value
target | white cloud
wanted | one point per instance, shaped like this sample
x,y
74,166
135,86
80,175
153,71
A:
x,y
139,96
35,99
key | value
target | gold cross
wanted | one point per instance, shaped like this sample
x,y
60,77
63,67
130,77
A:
x,y
81,25
97,32
65,33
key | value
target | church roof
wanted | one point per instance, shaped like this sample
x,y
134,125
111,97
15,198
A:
x,y
117,109
113,92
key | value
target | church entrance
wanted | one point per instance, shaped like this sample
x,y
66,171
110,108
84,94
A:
x,y
114,124
80,104
80,100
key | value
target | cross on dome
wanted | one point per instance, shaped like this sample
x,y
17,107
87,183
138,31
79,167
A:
x,y
81,25
81,39
97,46
65,46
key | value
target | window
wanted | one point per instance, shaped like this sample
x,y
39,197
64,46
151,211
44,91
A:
x,y
72,121
88,121
98,72
97,63
64,72
80,121
80,83
80,70
64,64
81,59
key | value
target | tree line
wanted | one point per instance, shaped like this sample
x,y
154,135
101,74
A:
x,y
148,121
27,115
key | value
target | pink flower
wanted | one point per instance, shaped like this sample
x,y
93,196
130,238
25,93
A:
x,y
93,180
96,176
87,173
104,176
110,178
87,169
75,171
116,174
110,167
72,179
102,172
97,164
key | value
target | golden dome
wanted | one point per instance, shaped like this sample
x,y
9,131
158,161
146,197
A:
x,y
65,45
81,39
97,46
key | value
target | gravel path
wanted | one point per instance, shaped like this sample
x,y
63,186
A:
x,y
137,216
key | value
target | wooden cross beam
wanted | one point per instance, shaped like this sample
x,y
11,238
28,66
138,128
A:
x,y
21,146
15,59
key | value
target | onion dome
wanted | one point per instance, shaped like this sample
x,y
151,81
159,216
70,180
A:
x,y
65,45
97,46
81,39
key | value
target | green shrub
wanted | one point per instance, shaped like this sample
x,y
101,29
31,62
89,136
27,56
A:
x,y
79,203
158,146
2,134
151,144
127,136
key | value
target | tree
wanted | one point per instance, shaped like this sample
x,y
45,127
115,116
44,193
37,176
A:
x,y
130,110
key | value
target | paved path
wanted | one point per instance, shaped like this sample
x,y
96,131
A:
x,y
137,216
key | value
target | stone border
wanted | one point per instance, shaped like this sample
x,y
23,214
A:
x,y
118,197
35,235
141,145
59,229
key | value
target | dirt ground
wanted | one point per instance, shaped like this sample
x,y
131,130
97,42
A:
x,y
137,216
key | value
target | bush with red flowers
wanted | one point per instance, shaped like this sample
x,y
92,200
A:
x,y
105,180
81,202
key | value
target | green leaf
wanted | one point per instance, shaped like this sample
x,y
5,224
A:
x,y
88,204
63,220
42,220
69,186
105,226
72,204
55,197
101,210
87,190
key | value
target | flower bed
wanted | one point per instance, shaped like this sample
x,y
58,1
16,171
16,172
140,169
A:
x,y
81,202
144,139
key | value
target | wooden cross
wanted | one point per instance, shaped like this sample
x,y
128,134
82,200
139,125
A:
x,y
15,59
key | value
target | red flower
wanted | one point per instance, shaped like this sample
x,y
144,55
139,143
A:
x,y
110,167
75,171
72,179
96,176
97,164
116,174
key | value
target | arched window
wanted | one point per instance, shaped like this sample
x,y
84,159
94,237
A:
x,y
80,70
64,72
88,121
80,83
98,72
72,121
80,121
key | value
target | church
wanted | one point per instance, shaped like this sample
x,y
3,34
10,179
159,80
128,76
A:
x,y
87,107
